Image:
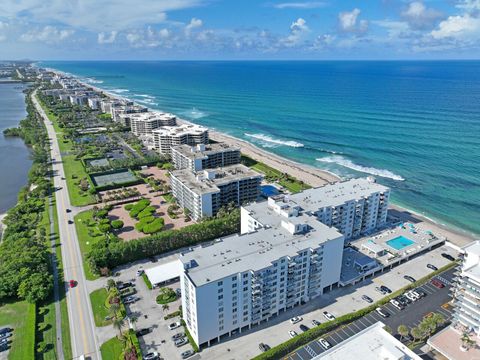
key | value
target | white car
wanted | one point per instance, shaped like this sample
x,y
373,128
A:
x,y
174,325
382,312
411,296
296,319
181,342
151,356
292,333
328,316
396,304
326,345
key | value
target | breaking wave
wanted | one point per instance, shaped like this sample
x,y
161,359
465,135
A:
x,y
339,160
271,140
194,114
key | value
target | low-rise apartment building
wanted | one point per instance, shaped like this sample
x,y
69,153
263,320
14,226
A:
x,y
169,136
242,280
203,193
200,157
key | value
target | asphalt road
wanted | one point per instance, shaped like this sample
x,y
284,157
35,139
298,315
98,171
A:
x,y
411,316
82,330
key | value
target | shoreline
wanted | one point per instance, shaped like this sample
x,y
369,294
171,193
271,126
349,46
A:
x,y
309,174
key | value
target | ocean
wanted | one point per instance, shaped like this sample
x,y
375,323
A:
x,y
14,155
414,125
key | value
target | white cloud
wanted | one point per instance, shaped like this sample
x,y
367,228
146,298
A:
x,y
419,16
193,24
395,29
347,21
470,6
458,27
297,31
300,5
48,34
107,37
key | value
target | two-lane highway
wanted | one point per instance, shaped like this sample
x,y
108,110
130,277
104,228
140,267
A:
x,y
82,328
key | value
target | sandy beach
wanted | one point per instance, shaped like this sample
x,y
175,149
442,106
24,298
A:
x,y
317,177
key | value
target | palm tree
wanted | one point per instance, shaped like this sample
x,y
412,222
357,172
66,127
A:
x,y
133,320
402,331
438,318
110,284
416,333
165,307
118,324
114,308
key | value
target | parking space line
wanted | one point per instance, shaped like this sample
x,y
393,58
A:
x,y
356,325
361,322
337,336
348,329
391,309
310,351
343,330
300,356
444,312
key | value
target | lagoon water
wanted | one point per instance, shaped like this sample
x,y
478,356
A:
x,y
14,155
413,125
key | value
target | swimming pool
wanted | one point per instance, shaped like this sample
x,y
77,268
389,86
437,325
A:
x,y
269,190
400,242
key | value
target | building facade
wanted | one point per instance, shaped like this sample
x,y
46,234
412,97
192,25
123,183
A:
x,y
200,157
205,192
144,123
169,136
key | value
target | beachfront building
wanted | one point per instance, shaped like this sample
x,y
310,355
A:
x,y
121,113
144,123
203,193
239,281
94,103
200,157
372,343
354,207
169,136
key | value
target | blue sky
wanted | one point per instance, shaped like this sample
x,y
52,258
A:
x,y
241,29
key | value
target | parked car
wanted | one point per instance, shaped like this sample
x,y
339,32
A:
x,y
3,347
380,290
174,325
420,292
144,331
130,299
70,222
140,272
296,319
72,283
178,292
187,354
326,345
396,304
6,330
431,266
448,256
178,336
123,285
328,316
386,289
5,335
151,356
409,278
367,299
382,312
315,322
68,210
292,333
304,327
263,347
411,296
180,342
402,299
437,283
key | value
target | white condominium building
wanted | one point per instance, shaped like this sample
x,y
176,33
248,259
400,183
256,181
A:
x,y
200,157
169,136
242,280
94,103
144,123
354,207
121,114
205,192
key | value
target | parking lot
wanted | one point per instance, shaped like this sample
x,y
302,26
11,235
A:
x,y
411,316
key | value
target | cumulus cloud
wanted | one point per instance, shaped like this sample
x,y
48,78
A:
x,y
107,37
48,34
348,21
419,16
193,24
300,5
298,29
458,27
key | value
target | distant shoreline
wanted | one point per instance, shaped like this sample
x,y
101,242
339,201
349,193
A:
x,y
310,175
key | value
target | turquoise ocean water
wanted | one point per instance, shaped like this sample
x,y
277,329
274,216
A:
x,y
413,125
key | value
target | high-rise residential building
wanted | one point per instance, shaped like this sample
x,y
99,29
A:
x,y
354,207
205,192
200,157
169,136
239,281
145,122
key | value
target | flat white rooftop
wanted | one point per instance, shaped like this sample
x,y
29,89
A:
x,y
372,343
180,130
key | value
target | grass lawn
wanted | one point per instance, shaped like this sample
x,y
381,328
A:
x,y
21,316
165,298
100,311
112,349
86,240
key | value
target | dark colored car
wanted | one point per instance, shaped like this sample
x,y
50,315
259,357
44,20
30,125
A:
x,y
315,322
386,289
5,330
433,267
402,300
304,327
123,285
144,331
409,278
263,347
69,211
178,336
420,292
437,283
70,221
448,256
367,299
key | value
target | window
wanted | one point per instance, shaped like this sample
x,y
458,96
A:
x,y
234,304
220,309
245,282
234,322
220,328
245,288
220,283
220,316
234,310
234,278
245,275
234,291
245,313
220,291
220,297
245,307
245,318
234,285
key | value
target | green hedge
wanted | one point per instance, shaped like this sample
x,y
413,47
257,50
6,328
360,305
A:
x,y
189,337
314,333
147,281
109,253
173,314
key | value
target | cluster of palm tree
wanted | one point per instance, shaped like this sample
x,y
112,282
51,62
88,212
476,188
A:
x,y
425,329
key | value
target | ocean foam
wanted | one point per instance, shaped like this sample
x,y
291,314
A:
x,y
119,91
269,139
194,114
145,96
339,160
93,81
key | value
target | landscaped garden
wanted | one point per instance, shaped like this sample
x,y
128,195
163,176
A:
x,y
107,305
166,295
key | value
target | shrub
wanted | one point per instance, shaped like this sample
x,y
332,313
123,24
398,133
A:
x,y
117,224
128,207
153,227
105,228
102,213
148,211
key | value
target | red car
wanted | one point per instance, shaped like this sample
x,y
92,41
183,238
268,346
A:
x,y
437,283
73,283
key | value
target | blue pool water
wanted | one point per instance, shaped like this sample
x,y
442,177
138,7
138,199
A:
x,y
400,242
269,190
